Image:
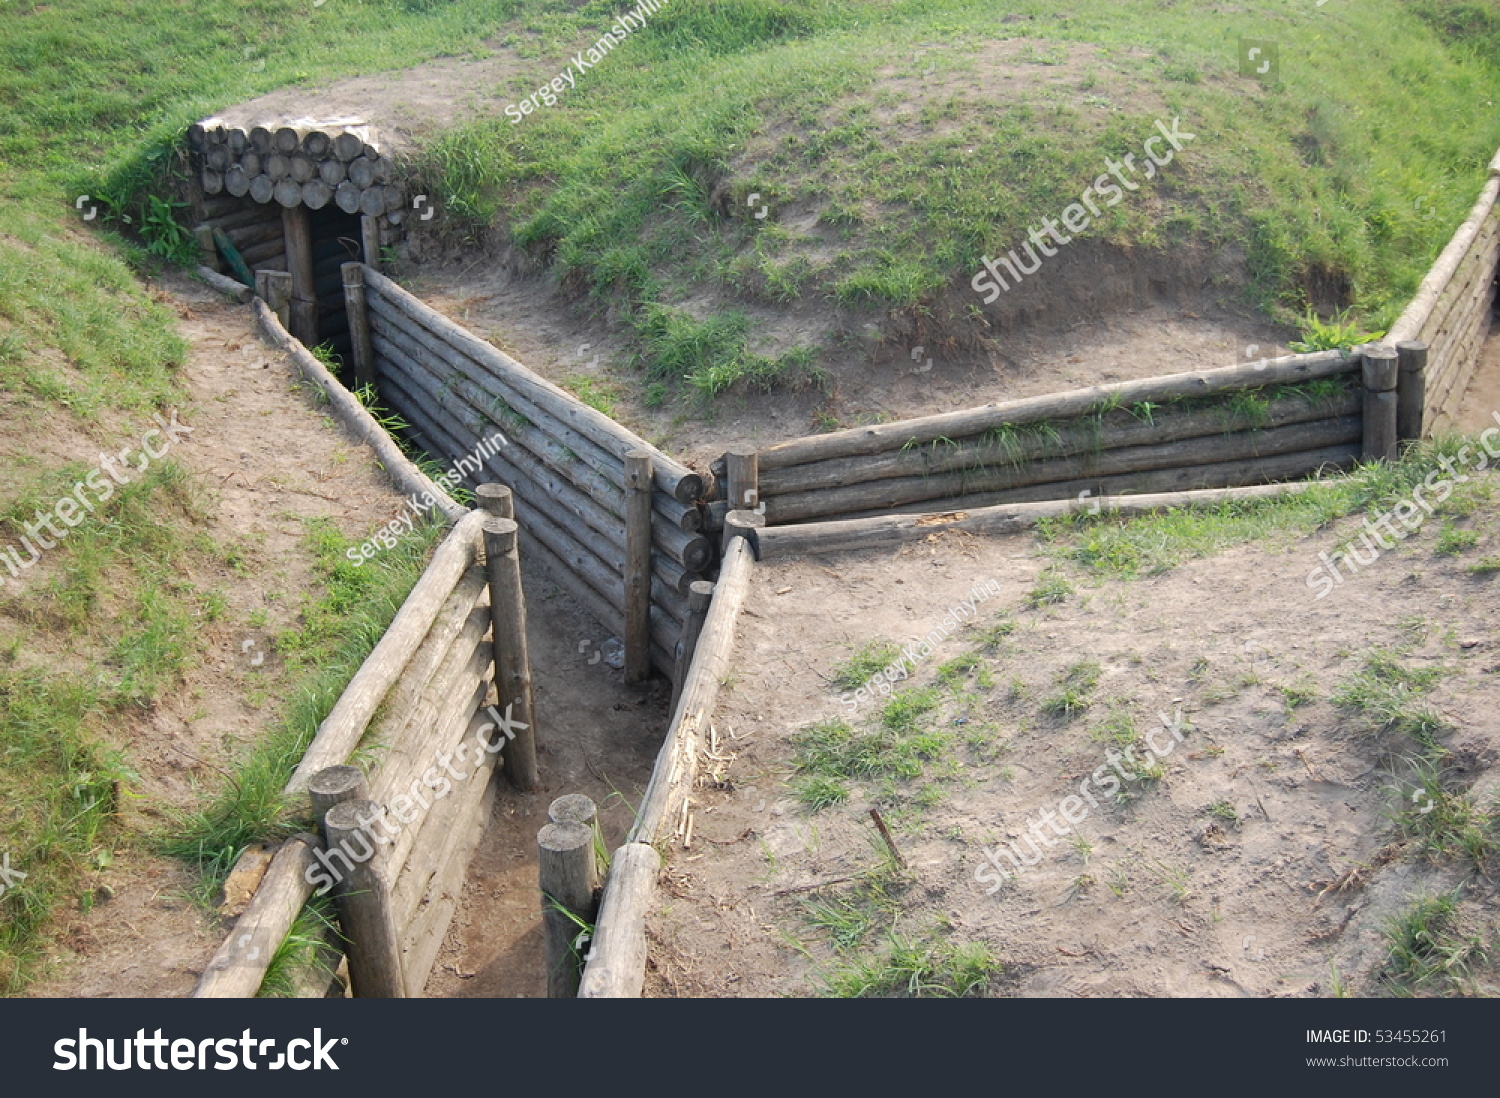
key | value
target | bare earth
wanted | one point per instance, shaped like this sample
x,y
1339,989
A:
x,y
1171,899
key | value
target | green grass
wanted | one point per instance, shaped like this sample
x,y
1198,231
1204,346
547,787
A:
x,y
1075,690
1428,950
830,755
637,189
1129,547
914,968
1385,695
867,660
338,629
1446,824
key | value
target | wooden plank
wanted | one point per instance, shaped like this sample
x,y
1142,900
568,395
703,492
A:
x,y
239,965
672,476
617,965
1202,451
892,436
676,763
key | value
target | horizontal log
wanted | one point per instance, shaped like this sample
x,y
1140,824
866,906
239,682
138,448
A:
x,y
1061,440
225,285
259,253
676,762
258,232
1218,475
884,531
423,938
344,726
691,551
444,732
241,216
616,968
1472,280
239,965
672,476
590,467
893,436
262,189
591,602
887,494
536,512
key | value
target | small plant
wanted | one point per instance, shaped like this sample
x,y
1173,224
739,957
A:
x,y
1075,690
1118,728
869,659
1445,823
1485,566
1388,697
1051,587
960,669
1453,541
908,968
1224,810
1338,334
993,638
1426,947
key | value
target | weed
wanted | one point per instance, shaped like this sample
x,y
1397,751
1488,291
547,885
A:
x,y
1075,688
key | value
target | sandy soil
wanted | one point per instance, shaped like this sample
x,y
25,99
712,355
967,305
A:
x,y
1171,899
265,458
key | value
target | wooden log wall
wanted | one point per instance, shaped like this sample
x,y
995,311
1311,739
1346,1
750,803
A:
x,y
1220,428
1452,310
565,462
299,163
418,698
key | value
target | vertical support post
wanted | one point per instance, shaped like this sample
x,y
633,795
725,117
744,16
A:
x,y
637,565
275,289
743,473
296,227
496,499
1411,390
700,595
333,786
359,324
1379,370
512,661
573,808
208,250
363,900
742,524
569,875
369,237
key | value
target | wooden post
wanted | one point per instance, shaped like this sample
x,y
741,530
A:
x,y
638,490
275,289
1411,390
208,250
1380,374
296,226
700,595
742,524
512,661
335,785
572,808
568,875
743,473
364,901
359,324
369,236
495,499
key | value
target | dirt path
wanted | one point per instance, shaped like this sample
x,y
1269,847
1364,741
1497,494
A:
x,y
1217,880
265,459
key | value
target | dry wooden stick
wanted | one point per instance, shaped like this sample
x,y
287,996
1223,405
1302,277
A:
x,y
890,842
